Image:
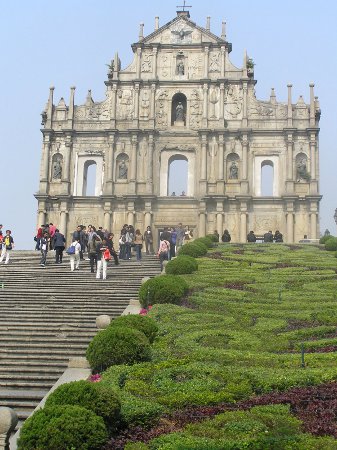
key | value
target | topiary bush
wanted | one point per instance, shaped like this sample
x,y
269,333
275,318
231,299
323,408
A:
x,y
213,237
162,289
117,345
141,323
100,399
206,240
194,249
331,244
63,428
181,265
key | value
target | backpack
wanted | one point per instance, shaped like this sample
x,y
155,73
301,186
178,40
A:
x,y
71,250
164,247
107,255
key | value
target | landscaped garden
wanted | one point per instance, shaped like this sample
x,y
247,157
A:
x,y
238,351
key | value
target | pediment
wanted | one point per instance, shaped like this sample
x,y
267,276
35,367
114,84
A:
x,y
181,31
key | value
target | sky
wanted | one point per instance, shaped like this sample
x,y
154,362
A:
x,y
68,42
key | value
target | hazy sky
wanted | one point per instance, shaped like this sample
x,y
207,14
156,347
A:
x,y
68,42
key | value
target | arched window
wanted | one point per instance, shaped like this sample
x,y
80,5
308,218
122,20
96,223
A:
x,y
233,162
177,177
267,178
122,167
179,108
89,178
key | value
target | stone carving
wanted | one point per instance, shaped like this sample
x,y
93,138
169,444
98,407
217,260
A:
x,y
165,66
194,66
180,116
180,34
233,102
180,67
281,111
142,152
57,167
125,108
233,171
213,151
94,152
122,170
161,109
301,109
195,110
214,63
94,111
301,169
214,100
145,105
147,62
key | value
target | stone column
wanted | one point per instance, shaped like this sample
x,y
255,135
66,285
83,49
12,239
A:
x,y
71,108
113,105
313,156
312,105
290,108
290,144
138,65
290,227
244,182
131,212
220,182
149,175
153,105
219,217
313,225
205,107
136,112
155,52
222,102
244,105
223,56
63,219
206,51
49,122
203,164
147,215
202,223
42,214
107,220
133,171
109,165
243,226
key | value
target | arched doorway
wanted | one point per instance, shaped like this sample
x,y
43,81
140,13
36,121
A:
x,y
177,176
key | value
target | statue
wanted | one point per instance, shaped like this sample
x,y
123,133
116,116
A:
x,y
180,67
57,170
233,171
302,173
180,112
122,170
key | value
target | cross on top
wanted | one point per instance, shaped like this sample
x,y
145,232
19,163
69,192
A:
x,y
184,6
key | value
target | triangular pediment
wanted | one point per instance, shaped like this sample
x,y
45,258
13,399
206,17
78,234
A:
x,y
181,31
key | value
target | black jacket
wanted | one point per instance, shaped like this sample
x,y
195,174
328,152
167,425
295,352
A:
x,y
59,240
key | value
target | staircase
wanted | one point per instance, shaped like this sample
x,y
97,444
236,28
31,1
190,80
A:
x,y
47,315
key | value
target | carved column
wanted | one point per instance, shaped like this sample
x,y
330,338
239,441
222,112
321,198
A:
x,y
133,169
244,105
290,144
290,108
109,164
63,219
205,108
202,220
155,52
149,176
290,222
219,217
107,217
222,67
222,102
42,213
131,213
203,164
243,226
113,105
136,111
244,182
220,183
206,51
147,215
44,181
138,62
153,104
313,225
313,156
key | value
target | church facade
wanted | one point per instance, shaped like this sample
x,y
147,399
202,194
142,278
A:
x,y
182,99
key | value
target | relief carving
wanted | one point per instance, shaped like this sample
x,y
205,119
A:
x,y
233,102
147,62
259,108
195,110
214,63
165,66
195,66
125,108
181,34
145,105
214,103
161,109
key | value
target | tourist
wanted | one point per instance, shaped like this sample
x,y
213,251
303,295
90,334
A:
x,y
92,253
38,237
129,236
166,235
278,237
251,237
52,231
7,246
183,194
148,237
268,237
85,239
79,236
44,248
75,256
92,233
163,252
58,245
102,259
226,237
1,237
173,243
121,242
100,233
180,236
138,244
188,234
173,194
216,234
110,245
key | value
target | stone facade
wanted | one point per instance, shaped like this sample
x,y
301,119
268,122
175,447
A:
x,y
182,98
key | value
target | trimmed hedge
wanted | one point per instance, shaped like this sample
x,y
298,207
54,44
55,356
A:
x,y
181,265
117,345
194,249
100,399
331,244
213,237
63,428
141,323
162,289
206,240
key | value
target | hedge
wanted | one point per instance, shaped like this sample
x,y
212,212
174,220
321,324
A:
x,y
63,428
194,249
117,345
163,289
141,323
100,399
325,238
331,244
181,265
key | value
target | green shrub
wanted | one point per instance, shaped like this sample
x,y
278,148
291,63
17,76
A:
x,y
136,446
194,249
162,289
212,237
325,238
63,428
141,323
205,240
331,244
181,265
100,399
117,345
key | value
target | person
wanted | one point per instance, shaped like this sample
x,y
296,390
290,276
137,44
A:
x,y
180,236
7,246
148,238
216,234
75,257
102,261
268,237
38,237
100,233
173,194
226,237
121,243
163,252
58,245
52,231
129,236
92,253
92,233
44,248
188,234
251,237
166,235
1,237
173,243
278,237
110,245
183,194
79,236
138,244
